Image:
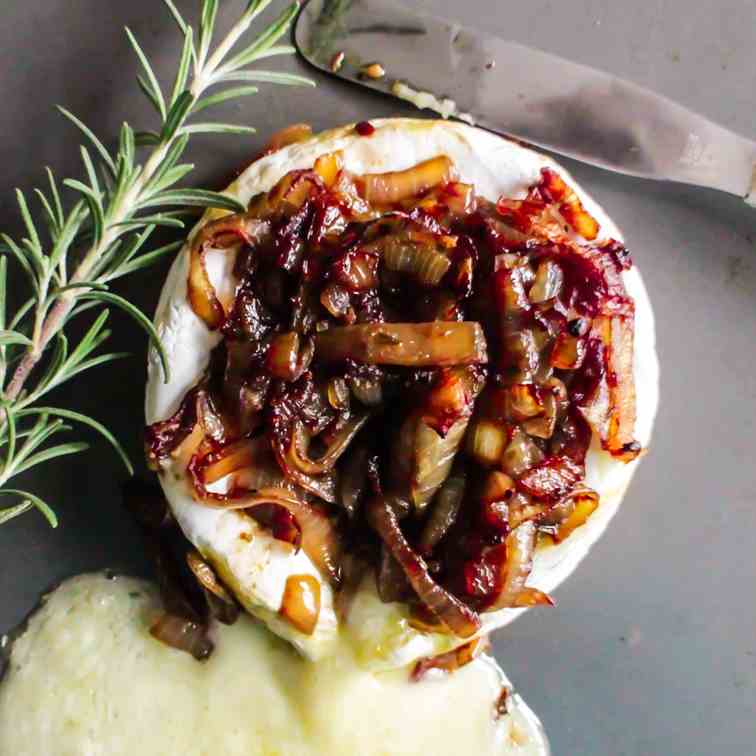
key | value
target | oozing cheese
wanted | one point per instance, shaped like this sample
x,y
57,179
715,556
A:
x,y
248,559
87,679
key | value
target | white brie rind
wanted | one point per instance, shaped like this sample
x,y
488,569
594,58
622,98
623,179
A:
x,y
247,558
87,678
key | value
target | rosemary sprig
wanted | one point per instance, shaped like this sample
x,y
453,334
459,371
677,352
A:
x,y
103,234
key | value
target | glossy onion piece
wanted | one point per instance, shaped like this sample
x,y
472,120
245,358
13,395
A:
x,y
388,188
319,538
353,479
436,344
443,512
486,441
554,189
338,394
264,472
520,455
300,605
520,548
544,425
423,261
460,619
431,435
231,458
323,486
610,409
568,352
335,299
182,634
459,198
300,441
551,479
451,660
329,166
548,282
583,504
187,448
206,577
163,437
524,401
287,358
223,233
433,458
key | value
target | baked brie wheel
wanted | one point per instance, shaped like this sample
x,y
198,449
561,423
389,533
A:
x,y
408,387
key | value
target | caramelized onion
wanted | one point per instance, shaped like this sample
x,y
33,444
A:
x,y
335,299
568,352
430,437
457,617
443,513
611,409
206,576
300,441
388,188
520,455
422,261
554,189
543,426
486,441
451,660
353,479
329,166
582,504
520,548
230,459
548,282
432,458
551,479
323,486
223,233
182,634
410,344
286,359
338,394
300,604
368,391
524,401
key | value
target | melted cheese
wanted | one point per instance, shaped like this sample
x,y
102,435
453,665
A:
x,y
87,679
247,557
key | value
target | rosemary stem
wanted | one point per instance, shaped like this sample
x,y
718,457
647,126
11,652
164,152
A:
x,y
46,330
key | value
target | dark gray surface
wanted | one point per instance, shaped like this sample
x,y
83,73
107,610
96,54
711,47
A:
x,y
652,649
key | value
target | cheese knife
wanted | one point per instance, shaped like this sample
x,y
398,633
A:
x,y
524,93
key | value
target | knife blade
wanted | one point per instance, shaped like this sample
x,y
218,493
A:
x,y
524,93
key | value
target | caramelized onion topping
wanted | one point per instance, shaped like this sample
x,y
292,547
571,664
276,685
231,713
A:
x,y
408,369
300,605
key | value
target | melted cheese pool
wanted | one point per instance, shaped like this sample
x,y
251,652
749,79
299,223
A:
x,y
87,679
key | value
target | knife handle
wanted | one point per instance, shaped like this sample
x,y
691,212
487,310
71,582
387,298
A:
x,y
750,198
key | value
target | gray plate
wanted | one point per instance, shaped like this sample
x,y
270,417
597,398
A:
x,y
652,649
